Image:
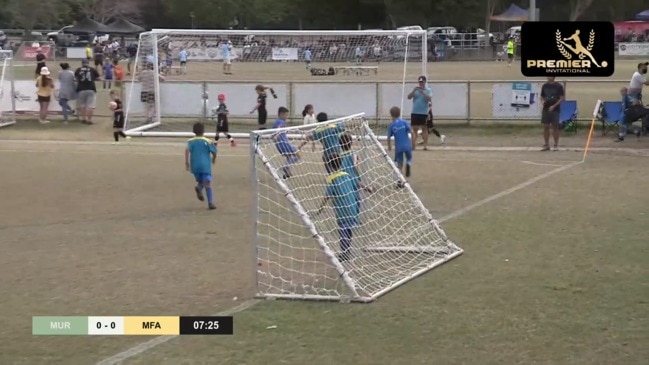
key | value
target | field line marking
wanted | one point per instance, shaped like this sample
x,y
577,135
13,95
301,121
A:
x,y
509,191
542,164
146,346
431,148
157,341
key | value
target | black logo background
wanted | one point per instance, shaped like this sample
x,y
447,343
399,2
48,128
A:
x,y
538,42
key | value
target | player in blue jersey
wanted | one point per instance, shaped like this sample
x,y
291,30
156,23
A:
x,y
341,190
350,164
283,145
200,155
400,130
329,136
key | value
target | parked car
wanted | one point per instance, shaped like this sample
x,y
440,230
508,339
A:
x,y
484,37
442,32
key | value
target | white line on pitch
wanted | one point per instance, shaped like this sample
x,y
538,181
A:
x,y
509,191
541,164
146,346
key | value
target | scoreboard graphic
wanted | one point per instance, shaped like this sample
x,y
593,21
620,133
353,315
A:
x,y
132,326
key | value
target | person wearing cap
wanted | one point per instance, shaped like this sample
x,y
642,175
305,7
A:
x,y
44,91
86,77
421,96
638,80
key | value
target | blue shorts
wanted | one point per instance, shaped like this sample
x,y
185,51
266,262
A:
x,y
400,153
202,177
285,148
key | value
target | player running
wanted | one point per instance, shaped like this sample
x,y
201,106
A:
x,y
118,117
198,154
341,190
283,145
400,130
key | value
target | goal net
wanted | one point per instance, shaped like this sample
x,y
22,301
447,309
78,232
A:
x,y
301,249
7,101
179,74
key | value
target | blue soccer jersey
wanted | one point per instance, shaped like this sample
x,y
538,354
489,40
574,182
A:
x,y
282,143
341,189
201,150
400,130
329,136
349,166
420,102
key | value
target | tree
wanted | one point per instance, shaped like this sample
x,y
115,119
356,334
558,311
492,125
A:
x,y
26,14
578,8
105,10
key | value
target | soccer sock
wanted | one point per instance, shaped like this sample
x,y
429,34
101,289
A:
x,y
218,135
116,136
435,132
208,192
345,239
199,186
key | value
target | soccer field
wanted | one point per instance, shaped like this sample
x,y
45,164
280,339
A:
x,y
554,269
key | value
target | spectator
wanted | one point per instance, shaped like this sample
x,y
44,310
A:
x,y
86,77
421,96
44,91
40,61
552,94
67,90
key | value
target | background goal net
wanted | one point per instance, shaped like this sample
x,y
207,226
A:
x,y
298,246
7,100
340,72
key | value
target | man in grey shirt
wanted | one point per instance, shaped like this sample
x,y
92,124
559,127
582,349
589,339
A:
x,y
67,90
552,95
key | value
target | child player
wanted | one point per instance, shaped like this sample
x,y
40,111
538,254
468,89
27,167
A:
x,y
118,116
328,135
283,145
222,121
198,154
341,190
350,164
400,130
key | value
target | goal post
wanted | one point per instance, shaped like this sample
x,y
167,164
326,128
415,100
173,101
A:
x,y
7,99
167,95
300,247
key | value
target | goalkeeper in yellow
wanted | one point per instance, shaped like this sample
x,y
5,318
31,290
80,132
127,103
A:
x,y
342,190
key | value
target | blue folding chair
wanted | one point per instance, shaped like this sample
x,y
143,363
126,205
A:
x,y
611,116
568,116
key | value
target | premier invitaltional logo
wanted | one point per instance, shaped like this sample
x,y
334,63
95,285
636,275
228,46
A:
x,y
585,60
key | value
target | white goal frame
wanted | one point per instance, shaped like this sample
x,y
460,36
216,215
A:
x,y
157,34
7,117
258,157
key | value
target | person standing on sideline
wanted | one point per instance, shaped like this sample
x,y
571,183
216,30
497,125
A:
x,y
421,96
40,62
552,95
67,90
44,91
638,81
227,61
510,51
86,77
308,57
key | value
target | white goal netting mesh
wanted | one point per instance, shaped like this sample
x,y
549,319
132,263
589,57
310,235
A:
x,y
179,73
7,106
299,247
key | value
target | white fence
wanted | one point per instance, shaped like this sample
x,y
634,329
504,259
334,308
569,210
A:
x,y
466,101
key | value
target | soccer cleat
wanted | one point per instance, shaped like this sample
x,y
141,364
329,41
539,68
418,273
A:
x,y
619,139
199,194
555,148
407,170
545,148
211,207
344,256
128,138
442,139
233,143
115,143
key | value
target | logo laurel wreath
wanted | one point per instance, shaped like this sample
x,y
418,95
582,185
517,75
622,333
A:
x,y
562,50
591,43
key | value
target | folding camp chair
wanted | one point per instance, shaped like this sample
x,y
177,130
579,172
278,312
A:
x,y
611,116
568,116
